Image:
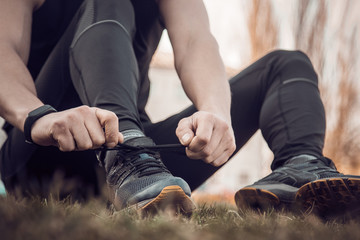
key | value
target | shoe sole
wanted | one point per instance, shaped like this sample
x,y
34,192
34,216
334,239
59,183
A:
x,y
254,198
172,199
330,196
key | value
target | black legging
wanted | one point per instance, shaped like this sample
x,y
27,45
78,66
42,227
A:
x,y
277,94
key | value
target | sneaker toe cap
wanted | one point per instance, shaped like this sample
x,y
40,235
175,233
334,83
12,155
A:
x,y
153,190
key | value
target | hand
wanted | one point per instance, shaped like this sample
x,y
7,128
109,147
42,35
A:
x,y
207,137
80,128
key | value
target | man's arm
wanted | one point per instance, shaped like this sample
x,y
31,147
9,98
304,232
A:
x,y
75,129
208,133
17,90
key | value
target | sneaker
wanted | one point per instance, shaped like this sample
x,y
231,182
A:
x,y
139,180
334,195
278,189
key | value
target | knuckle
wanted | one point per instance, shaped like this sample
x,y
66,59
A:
x,y
84,109
217,163
110,115
220,161
225,127
58,127
85,146
192,155
203,140
71,116
65,147
233,147
113,115
207,160
110,136
98,141
183,122
206,152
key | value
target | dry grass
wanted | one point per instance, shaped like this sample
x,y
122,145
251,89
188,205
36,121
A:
x,y
34,219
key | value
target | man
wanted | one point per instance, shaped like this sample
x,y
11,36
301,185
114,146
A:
x,y
89,61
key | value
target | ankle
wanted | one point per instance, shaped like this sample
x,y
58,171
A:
x,y
304,157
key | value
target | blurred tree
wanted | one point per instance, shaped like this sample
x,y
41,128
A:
x,y
340,93
263,30
338,81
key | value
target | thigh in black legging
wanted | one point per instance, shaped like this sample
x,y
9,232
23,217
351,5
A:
x,y
292,123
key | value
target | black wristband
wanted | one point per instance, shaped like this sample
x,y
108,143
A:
x,y
32,117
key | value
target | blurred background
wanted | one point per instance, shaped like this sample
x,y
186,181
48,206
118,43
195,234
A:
x,y
327,30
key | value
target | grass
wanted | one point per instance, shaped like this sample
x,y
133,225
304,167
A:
x,y
51,219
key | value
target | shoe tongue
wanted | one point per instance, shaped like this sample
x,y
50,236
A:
x,y
301,159
304,158
140,141
143,141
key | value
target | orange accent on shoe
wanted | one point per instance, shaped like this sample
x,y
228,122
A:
x,y
171,199
249,197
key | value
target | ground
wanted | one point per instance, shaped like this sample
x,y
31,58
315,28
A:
x,y
51,219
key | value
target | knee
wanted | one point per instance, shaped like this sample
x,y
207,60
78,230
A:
x,y
292,64
120,11
285,56
100,11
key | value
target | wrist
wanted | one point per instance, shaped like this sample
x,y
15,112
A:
x,y
20,114
220,113
219,109
32,117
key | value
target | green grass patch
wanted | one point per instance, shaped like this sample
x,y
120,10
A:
x,y
51,219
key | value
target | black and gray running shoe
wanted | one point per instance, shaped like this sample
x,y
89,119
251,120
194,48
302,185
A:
x,y
278,189
138,179
331,197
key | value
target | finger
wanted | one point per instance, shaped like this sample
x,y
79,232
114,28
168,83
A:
x,y
216,145
109,121
223,158
95,131
204,130
65,141
226,145
211,151
184,131
120,138
229,141
81,136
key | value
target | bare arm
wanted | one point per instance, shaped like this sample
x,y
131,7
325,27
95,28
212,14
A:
x,y
75,129
197,59
208,133
17,90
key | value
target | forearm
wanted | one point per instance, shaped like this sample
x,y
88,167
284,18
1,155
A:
x,y
17,89
197,58
203,76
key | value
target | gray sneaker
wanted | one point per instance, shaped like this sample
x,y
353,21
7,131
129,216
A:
x,y
294,182
138,179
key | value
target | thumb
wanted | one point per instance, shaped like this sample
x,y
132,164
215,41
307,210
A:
x,y
109,121
184,131
121,137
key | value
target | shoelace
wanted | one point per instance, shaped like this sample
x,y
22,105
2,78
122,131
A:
x,y
129,162
320,169
316,166
162,148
